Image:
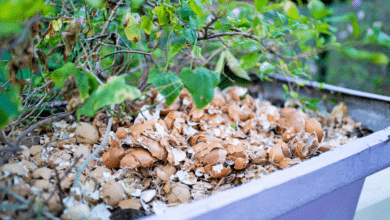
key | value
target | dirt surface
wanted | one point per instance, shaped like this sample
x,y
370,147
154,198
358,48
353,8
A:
x,y
163,157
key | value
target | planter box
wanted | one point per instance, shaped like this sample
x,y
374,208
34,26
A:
x,y
325,187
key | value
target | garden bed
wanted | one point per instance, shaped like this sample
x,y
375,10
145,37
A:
x,y
167,156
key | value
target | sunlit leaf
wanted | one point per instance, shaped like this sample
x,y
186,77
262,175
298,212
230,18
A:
x,y
114,91
132,29
220,63
146,24
318,9
196,8
60,75
168,85
291,10
202,93
260,4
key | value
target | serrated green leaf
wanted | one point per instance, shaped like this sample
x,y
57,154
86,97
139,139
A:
x,y
200,84
60,75
10,106
235,67
168,85
260,4
132,29
114,91
146,24
291,10
196,8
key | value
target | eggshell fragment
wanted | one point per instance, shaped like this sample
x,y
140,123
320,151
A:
x,y
112,193
43,172
218,100
148,195
121,133
98,172
240,163
87,133
41,184
279,151
179,193
59,157
234,112
288,162
313,126
130,204
54,204
288,134
16,168
78,212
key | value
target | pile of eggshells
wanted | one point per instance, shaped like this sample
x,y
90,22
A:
x,y
170,155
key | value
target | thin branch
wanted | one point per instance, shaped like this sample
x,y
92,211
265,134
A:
x,y
25,201
94,153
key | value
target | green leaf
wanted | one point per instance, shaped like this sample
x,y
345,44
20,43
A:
x,y
260,4
220,63
19,10
9,28
190,34
378,37
221,26
168,85
318,9
291,10
196,8
95,3
375,57
82,83
200,84
355,25
60,75
157,53
114,91
249,60
235,67
162,14
132,29
10,106
146,24
266,67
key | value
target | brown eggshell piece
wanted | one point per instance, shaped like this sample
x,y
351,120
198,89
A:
x,y
279,151
129,161
218,100
215,156
218,171
313,126
179,193
112,193
196,115
87,133
234,112
110,161
43,172
98,172
155,148
240,163
137,129
130,204
121,133
288,134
